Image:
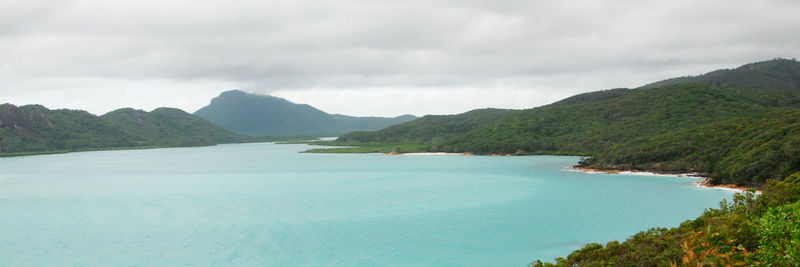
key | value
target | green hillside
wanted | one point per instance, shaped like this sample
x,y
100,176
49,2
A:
x,y
169,127
263,115
431,130
743,151
773,74
36,129
627,129
588,127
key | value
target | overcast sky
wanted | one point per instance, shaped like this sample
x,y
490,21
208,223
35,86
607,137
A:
x,y
372,57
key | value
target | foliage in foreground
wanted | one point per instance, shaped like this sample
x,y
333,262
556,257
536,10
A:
x,y
754,229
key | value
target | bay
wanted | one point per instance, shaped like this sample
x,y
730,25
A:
x,y
266,204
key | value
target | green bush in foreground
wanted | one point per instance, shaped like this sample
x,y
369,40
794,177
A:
x,y
753,229
779,230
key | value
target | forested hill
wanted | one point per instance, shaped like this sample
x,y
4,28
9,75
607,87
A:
x,y
259,115
743,150
695,126
430,129
779,74
169,126
34,128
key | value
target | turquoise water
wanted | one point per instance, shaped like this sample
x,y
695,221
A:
x,y
265,204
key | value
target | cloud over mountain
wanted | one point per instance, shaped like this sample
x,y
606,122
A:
x,y
59,52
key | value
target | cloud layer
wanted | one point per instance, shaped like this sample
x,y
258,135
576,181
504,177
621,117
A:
x,y
448,56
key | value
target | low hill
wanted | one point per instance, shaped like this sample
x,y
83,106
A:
x,y
169,127
263,115
34,128
433,130
370,123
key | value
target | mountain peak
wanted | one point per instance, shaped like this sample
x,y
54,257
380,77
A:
x,y
240,96
240,93
234,92
265,115
169,110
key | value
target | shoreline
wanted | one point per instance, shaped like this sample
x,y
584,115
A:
x,y
732,187
427,154
54,152
643,173
704,183
67,151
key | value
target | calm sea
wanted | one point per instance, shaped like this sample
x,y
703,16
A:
x,y
266,204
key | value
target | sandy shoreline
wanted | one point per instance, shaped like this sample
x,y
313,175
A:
x,y
732,187
704,183
592,170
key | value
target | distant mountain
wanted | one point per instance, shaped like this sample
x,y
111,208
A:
x,y
774,74
34,128
263,115
738,126
169,126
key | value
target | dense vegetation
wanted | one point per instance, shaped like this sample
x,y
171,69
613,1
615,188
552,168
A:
x,y
712,124
774,74
589,126
744,151
430,130
259,115
36,129
752,230
169,127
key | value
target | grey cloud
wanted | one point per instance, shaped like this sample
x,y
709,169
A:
x,y
300,44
